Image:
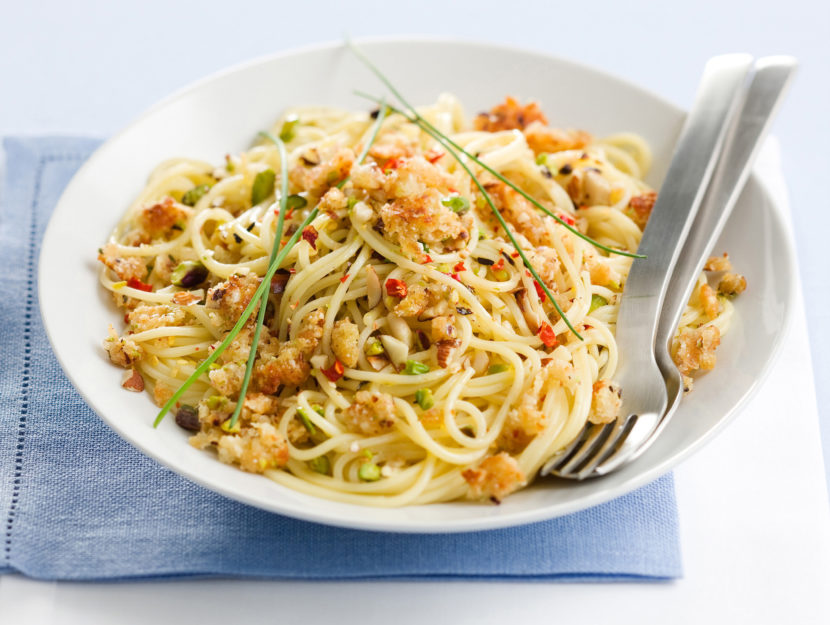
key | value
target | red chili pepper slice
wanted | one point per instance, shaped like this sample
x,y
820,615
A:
x,y
135,283
567,219
459,266
396,288
547,335
335,372
539,290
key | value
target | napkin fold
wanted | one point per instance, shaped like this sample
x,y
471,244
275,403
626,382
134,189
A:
x,y
79,503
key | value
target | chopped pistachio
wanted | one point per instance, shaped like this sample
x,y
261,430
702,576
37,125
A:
x,y
226,427
318,409
369,472
295,201
423,397
320,464
596,302
413,367
263,186
195,194
289,127
497,368
373,347
301,412
456,203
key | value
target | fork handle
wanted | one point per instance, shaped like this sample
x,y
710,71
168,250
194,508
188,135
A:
x,y
680,195
770,80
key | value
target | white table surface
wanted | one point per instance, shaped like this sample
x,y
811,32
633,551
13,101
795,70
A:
x,y
756,541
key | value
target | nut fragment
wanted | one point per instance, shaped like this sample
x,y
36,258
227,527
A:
x,y
132,381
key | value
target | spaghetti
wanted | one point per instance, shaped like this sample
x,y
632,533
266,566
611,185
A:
x,y
407,356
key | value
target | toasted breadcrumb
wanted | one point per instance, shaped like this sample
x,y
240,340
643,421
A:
x,y
231,297
159,218
731,284
709,300
605,402
370,413
640,208
123,352
694,349
495,477
125,267
147,317
344,342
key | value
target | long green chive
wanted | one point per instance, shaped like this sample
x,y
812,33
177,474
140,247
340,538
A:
x,y
415,117
263,301
263,286
438,137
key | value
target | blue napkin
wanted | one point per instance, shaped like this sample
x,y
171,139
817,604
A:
x,y
79,503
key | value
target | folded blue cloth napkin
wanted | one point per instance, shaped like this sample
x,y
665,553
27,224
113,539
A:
x,y
79,503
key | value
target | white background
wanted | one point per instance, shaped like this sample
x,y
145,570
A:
x,y
87,67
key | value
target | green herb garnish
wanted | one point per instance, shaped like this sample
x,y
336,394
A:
x,y
263,186
195,194
262,290
497,368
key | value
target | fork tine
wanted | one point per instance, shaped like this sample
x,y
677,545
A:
x,y
591,439
613,444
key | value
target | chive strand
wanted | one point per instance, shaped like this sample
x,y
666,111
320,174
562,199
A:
x,y
240,322
446,141
263,303
425,125
498,215
261,291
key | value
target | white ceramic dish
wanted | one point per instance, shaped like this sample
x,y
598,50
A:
x,y
223,114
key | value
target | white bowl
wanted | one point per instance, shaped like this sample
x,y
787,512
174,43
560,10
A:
x,y
223,113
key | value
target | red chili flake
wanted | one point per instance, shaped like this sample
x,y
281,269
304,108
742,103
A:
x,y
587,327
289,212
335,372
433,156
498,265
547,335
126,317
459,266
310,235
344,278
392,163
514,255
135,283
454,276
427,258
396,288
539,290
567,219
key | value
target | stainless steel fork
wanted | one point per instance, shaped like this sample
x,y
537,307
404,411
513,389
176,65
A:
x,y
659,286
